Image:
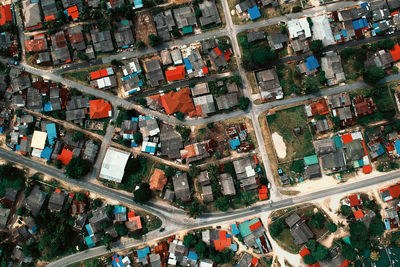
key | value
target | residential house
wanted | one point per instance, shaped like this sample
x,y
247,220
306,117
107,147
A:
x,y
299,28
169,195
31,14
19,256
90,151
9,197
381,59
332,157
176,56
312,168
209,13
204,105
100,215
249,6
276,40
6,40
171,142
332,66
57,200
309,66
321,30
59,49
207,193
4,215
227,101
390,193
299,230
181,187
203,178
35,200
76,39
256,36
341,107
124,35
34,100
363,106
269,84
174,102
246,173
321,126
20,83
254,236
177,252
164,24
102,41
196,151
149,126
49,9
77,108
158,180
227,185
247,260
200,89
153,71
36,44
131,81
319,107
99,108
185,19
166,58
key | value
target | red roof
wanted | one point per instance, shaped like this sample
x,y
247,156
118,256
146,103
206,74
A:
x,y
255,226
178,73
254,261
174,102
354,201
320,107
35,45
58,190
99,74
73,12
131,214
358,214
394,190
314,265
99,108
304,252
227,55
222,235
5,14
222,244
395,52
65,156
218,51
205,70
367,169
347,138
263,193
50,17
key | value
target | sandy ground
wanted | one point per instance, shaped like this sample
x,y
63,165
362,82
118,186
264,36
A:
x,y
279,144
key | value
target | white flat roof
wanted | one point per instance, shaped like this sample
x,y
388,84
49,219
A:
x,y
114,163
38,139
297,27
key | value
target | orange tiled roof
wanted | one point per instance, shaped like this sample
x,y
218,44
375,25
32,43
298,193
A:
x,y
65,156
180,101
320,107
35,45
177,73
358,214
395,52
5,14
158,180
99,108
354,201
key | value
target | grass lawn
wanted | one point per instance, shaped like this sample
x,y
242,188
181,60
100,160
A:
x,y
87,263
82,76
283,122
252,81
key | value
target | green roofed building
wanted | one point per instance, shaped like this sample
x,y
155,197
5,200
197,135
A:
x,y
187,29
310,160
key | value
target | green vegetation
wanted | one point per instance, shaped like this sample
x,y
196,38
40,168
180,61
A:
x,y
11,177
297,146
298,166
255,54
316,47
77,168
243,103
332,227
154,40
373,74
77,136
143,194
184,132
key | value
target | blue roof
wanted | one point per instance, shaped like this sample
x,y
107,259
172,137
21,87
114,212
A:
x,y
387,223
360,23
338,141
133,144
51,133
254,13
312,63
142,253
188,65
397,146
88,229
192,255
17,147
119,263
234,229
235,143
150,149
380,151
365,4
344,33
46,153
134,119
47,107
259,245
1,130
89,242
119,209
234,247
138,3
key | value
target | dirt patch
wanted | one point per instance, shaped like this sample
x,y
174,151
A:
x,y
144,26
279,145
289,192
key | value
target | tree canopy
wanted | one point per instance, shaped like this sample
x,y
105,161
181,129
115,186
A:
x,y
77,168
298,166
222,204
359,235
316,46
243,103
143,194
373,74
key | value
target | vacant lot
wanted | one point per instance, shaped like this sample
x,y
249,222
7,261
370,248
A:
x,y
144,26
284,122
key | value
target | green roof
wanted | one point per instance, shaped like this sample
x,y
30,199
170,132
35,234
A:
x,y
125,22
347,240
244,228
338,141
187,29
311,160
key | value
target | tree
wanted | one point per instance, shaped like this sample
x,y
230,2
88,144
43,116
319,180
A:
x,y
121,229
373,74
261,56
77,168
195,209
97,203
277,227
243,103
309,259
200,248
77,136
359,235
189,240
387,44
138,137
298,166
310,85
395,238
155,40
107,242
348,252
210,125
374,255
222,204
296,9
332,227
143,194
140,44
316,46
180,116
317,220
320,253
116,63
11,176
322,78
345,210
377,227
193,171
169,172
24,212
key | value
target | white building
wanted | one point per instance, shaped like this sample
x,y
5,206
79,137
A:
x,y
114,163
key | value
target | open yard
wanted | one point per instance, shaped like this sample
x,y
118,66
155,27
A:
x,y
144,26
282,124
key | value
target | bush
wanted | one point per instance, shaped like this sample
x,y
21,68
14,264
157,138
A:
x,y
345,210
222,204
77,136
143,194
277,227
180,116
243,103
296,9
331,226
58,163
377,227
77,168
155,40
317,47
373,74
298,166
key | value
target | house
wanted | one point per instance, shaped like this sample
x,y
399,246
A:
x,y
227,101
166,58
4,215
39,139
36,44
149,126
319,107
332,66
158,180
164,24
57,200
35,200
59,49
175,73
19,256
5,14
299,28
207,193
6,40
100,215
131,80
155,260
90,151
246,173
181,187
119,214
99,109
124,35
171,142
177,252
176,56
243,6
200,89
299,230
269,84
31,15
254,236
390,193
381,59
255,36
49,9
169,195
276,40
134,222
309,66
247,260
332,157
363,106
203,178
209,13
174,102
312,169
196,151
321,126
20,83
102,41
34,100
300,46
227,185
321,30
76,39
185,19
204,105
9,197
114,163
78,207
341,107
153,71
